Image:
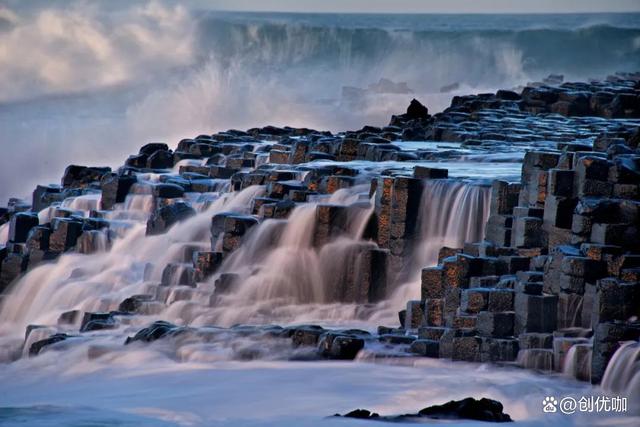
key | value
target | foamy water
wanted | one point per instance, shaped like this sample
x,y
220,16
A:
x,y
202,377
140,387
103,79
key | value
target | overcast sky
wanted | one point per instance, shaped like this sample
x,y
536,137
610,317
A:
x,y
428,6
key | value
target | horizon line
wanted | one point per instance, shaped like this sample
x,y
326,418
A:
x,y
350,12
298,12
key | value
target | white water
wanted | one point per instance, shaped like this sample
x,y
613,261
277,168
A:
x,y
280,272
143,383
577,362
80,206
102,78
282,277
451,213
195,378
102,281
622,376
4,233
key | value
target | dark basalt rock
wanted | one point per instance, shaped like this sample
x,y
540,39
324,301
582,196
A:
x,y
69,317
470,409
416,110
178,275
229,228
152,147
81,176
20,225
65,234
508,95
168,191
37,346
97,321
115,189
160,159
338,345
425,348
361,414
431,173
304,335
134,303
137,161
466,409
38,238
5,215
44,195
155,331
11,267
163,218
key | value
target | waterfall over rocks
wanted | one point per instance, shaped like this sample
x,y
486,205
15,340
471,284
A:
x,y
451,214
622,376
394,244
281,263
99,282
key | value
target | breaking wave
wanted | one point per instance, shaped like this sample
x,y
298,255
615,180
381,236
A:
x,y
100,79
426,59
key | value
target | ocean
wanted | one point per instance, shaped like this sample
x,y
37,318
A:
x,y
120,77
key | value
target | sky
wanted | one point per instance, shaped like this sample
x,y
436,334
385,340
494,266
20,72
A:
x,y
427,6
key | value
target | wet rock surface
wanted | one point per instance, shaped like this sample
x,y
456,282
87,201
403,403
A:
x,y
466,409
556,264
38,346
154,332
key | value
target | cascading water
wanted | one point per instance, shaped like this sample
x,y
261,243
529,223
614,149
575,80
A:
x,y
284,278
577,362
622,376
451,213
100,282
4,233
83,203
280,273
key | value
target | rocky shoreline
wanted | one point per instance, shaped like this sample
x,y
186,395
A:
x,y
553,278
467,409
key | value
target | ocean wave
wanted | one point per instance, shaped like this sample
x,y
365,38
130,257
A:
x,y
425,58
98,81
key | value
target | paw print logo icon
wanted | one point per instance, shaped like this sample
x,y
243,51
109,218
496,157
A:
x,y
549,404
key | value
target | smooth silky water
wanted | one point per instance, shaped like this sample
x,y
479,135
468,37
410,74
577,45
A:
x,y
206,380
